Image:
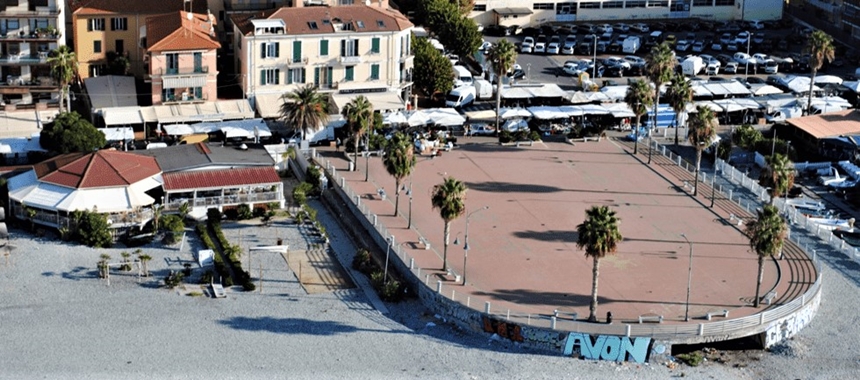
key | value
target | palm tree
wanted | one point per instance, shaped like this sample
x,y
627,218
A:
x,y
358,113
156,216
143,260
820,47
778,175
599,235
639,97
703,130
767,235
449,197
184,209
64,65
680,93
503,55
661,65
305,109
399,160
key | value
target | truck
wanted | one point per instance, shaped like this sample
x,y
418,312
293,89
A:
x,y
462,76
483,89
631,45
460,96
692,66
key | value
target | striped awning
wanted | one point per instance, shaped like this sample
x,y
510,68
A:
x,y
184,81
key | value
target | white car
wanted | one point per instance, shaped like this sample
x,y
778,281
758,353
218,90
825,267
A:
x,y
682,45
617,62
635,61
771,66
742,38
569,45
731,68
742,58
527,45
725,38
604,28
621,26
712,70
698,47
710,61
540,47
572,68
640,27
553,48
759,57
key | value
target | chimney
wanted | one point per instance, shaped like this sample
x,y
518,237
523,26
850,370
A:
x,y
298,3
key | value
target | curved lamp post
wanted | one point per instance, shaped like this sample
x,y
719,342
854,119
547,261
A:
x,y
466,241
689,279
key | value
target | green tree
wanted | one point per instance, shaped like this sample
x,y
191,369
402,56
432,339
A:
x,y
157,211
639,97
399,160
820,47
778,175
746,136
184,209
304,109
433,72
703,129
503,56
661,66
174,226
95,231
465,6
64,65
679,93
144,259
449,197
71,133
358,114
461,37
118,64
767,234
599,235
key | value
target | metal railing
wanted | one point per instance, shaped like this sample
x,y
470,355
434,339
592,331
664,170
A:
x,y
509,311
269,196
164,71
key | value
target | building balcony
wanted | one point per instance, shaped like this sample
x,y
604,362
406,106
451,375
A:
x,y
165,72
184,98
14,84
351,60
227,200
24,59
21,36
294,62
54,219
38,12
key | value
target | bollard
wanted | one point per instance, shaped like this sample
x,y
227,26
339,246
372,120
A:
x,y
375,219
552,323
555,313
468,301
453,295
628,331
427,279
487,307
342,182
508,315
357,200
419,273
730,194
439,286
701,329
529,320
412,263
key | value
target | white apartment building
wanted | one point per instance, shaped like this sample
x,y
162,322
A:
x,y
342,50
536,12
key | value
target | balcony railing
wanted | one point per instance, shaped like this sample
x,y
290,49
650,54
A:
x,y
17,81
161,71
16,35
115,220
299,61
40,11
184,98
351,60
227,200
28,59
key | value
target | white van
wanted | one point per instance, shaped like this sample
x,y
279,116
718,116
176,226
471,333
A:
x,y
460,96
462,76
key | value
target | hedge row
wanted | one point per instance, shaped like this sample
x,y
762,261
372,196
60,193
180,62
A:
x,y
232,252
220,268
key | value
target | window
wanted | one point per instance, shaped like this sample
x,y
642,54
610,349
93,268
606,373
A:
x,y
613,4
313,25
119,23
703,3
120,46
97,46
95,24
480,8
296,76
12,24
549,6
270,50
658,3
297,51
360,24
636,4
565,9
350,74
374,45
323,47
680,6
374,71
172,63
41,23
349,48
380,23
718,3
589,5
270,76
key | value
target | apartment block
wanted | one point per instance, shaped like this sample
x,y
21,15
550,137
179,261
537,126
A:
x,y
29,30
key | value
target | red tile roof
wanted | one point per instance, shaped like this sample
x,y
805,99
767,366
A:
x,y
830,124
207,179
298,20
95,7
104,168
175,31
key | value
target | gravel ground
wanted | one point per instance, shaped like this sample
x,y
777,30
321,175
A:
x,y
57,320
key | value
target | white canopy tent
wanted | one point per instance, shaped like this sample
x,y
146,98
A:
x,y
620,110
548,90
827,79
516,93
416,118
615,93
394,118
798,85
547,113
759,89
507,113
594,109
445,116
577,97
572,110
118,133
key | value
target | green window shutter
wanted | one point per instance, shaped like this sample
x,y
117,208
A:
x,y
316,76
289,76
330,76
343,48
263,47
262,77
324,47
297,51
277,76
303,75
350,73
374,71
374,45
277,49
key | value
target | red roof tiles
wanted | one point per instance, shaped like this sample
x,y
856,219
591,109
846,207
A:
x,y
174,31
104,168
206,179
300,20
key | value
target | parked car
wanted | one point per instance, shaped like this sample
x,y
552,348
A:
x,y
742,38
604,28
621,27
758,38
742,58
613,62
710,61
481,129
732,46
586,28
640,27
712,70
682,45
554,46
540,47
670,39
716,46
528,45
725,58
569,45
731,68
771,66
725,38
698,47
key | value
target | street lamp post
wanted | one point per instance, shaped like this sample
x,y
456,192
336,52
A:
x,y
366,157
787,147
466,241
689,279
390,241
594,59
747,71
529,73
714,182
409,194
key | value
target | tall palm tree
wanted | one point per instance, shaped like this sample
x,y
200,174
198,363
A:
x,y
599,235
64,65
449,197
767,235
639,97
778,175
661,65
305,109
399,160
358,113
502,56
820,47
703,129
679,94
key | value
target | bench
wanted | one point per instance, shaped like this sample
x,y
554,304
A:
x,y
769,297
424,242
722,313
651,318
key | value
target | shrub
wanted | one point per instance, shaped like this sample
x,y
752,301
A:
x,y
361,262
312,176
534,136
175,226
94,231
206,277
746,136
310,212
301,192
213,216
505,137
259,212
249,286
244,212
226,281
693,359
173,279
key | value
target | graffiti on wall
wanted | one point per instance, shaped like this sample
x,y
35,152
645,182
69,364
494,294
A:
x,y
787,327
607,347
504,329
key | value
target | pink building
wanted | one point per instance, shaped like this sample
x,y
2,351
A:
x,y
181,55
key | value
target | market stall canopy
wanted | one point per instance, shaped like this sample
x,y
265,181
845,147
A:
x,y
210,111
713,106
615,93
481,114
416,118
593,109
548,90
759,89
445,116
117,133
507,113
620,110
516,93
394,118
577,97
381,101
827,79
547,113
797,85
121,115
596,96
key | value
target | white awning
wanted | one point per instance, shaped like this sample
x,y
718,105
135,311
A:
x,y
394,118
268,105
183,81
117,134
547,113
121,115
549,90
620,110
381,101
516,93
507,113
445,116
148,114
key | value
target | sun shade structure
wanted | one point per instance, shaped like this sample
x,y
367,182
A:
x,y
829,125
